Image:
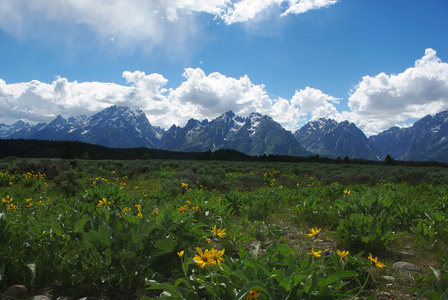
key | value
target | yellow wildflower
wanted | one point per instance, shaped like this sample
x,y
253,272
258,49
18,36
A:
x,y
139,214
11,207
183,209
377,263
218,231
102,202
342,254
183,185
180,254
215,257
253,294
208,257
316,254
314,231
346,192
155,211
201,259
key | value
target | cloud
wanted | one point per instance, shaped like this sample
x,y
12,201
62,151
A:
x,y
35,101
315,102
208,96
302,6
216,93
385,100
199,96
133,23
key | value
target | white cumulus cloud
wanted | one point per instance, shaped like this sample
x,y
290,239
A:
x,y
302,6
386,100
133,23
199,96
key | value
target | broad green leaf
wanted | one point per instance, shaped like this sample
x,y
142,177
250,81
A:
x,y
79,226
131,219
166,287
253,285
163,246
182,281
338,276
258,266
78,277
441,284
56,226
32,267
291,281
313,285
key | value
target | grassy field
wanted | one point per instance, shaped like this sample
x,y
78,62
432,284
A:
x,y
148,229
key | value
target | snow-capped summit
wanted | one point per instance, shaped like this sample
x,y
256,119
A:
x,y
115,126
327,137
8,130
427,139
254,135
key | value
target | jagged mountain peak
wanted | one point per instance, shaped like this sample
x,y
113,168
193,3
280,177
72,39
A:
x,y
256,134
8,130
229,114
327,137
58,121
19,123
427,139
115,126
253,135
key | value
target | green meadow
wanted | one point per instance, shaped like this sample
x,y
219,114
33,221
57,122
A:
x,y
149,229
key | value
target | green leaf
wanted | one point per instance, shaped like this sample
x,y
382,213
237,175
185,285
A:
x,y
314,284
291,281
79,226
56,226
338,276
131,219
441,284
184,281
32,267
166,287
163,246
101,237
256,265
78,277
256,285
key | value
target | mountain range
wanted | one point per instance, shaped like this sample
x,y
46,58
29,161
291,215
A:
x,y
123,127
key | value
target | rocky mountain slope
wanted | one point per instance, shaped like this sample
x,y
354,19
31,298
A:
x,y
329,138
426,140
254,135
123,127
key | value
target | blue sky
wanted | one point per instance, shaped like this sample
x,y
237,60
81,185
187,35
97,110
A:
x,y
375,63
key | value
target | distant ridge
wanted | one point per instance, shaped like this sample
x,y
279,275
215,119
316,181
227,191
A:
x,y
329,138
255,135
